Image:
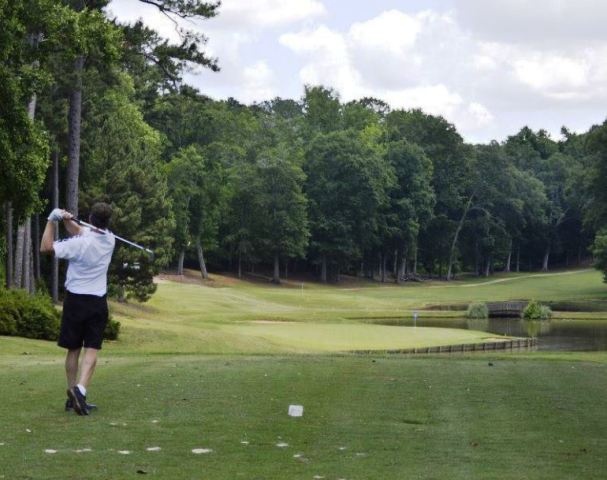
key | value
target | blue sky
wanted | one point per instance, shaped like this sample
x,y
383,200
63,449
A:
x,y
490,67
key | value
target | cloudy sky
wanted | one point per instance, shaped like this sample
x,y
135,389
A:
x,y
490,67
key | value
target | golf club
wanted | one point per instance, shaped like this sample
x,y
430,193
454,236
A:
x,y
133,244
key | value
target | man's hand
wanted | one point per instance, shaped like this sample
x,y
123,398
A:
x,y
56,215
59,214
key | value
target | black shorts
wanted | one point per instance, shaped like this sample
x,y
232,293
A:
x,y
83,321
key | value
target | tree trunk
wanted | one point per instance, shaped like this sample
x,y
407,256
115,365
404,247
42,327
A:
x,y
509,259
323,270
32,281
477,259
74,119
239,263
36,246
287,269
518,258
384,259
23,254
8,212
546,259
27,257
276,276
180,262
18,275
55,271
203,265
402,271
455,238
415,259
488,267
395,265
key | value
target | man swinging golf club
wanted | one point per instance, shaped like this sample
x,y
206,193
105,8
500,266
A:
x,y
85,311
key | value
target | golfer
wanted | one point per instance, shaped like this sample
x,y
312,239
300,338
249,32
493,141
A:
x,y
85,312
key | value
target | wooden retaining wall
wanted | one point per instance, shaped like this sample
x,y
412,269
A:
x,y
507,309
516,343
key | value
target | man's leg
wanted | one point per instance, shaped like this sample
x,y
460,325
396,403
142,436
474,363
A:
x,y
87,367
78,393
71,366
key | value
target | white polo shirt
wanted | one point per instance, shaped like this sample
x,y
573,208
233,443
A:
x,y
89,256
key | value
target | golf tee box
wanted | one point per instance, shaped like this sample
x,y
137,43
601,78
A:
x,y
296,410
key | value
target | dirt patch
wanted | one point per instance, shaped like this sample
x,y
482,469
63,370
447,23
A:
x,y
270,322
194,277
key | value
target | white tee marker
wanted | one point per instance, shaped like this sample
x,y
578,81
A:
x,y
199,451
296,410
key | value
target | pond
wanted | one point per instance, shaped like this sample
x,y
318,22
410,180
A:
x,y
562,335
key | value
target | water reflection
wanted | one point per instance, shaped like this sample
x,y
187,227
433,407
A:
x,y
564,335
481,324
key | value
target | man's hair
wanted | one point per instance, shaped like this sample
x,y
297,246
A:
x,y
100,215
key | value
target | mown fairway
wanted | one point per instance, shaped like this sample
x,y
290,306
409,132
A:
x,y
528,415
229,316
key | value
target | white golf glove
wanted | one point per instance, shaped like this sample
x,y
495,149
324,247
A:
x,y
56,215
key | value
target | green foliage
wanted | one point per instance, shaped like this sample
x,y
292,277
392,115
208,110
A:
x,y
283,229
322,109
477,311
112,329
599,250
23,143
346,187
30,316
596,181
124,170
536,311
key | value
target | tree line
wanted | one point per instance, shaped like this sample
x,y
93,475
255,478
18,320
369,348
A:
x,y
315,185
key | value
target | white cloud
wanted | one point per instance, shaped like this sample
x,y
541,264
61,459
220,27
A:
x,y
539,21
479,114
551,72
434,99
392,31
268,13
258,82
328,59
129,11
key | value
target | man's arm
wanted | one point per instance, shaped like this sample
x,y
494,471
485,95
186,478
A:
x,y
46,244
70,225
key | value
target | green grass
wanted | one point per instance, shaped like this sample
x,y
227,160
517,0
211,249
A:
x,y
221,316
364,418
217,365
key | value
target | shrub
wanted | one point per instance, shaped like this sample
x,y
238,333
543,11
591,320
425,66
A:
x,y
536,311
477,310
30,316
112,330
9,313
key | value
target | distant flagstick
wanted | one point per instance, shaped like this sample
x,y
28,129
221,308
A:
x,y
95,229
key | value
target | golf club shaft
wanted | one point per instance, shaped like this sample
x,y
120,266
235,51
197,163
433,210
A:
x,y
133,244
